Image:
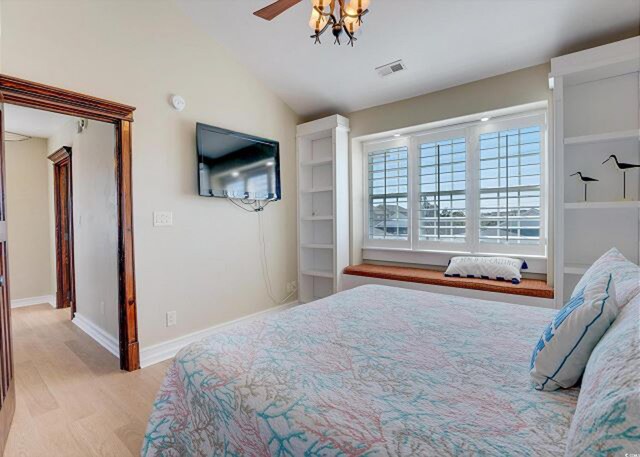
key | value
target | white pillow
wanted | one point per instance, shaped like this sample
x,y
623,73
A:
x,y
500,268
564,348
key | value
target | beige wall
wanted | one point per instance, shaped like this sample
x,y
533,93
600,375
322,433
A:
x,y
28,219
95,225
503,91
206,266
511,89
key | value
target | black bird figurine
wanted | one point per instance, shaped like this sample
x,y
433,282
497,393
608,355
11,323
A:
x,y
586,180
624,167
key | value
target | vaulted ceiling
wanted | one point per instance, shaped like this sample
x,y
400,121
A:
x,y
444,43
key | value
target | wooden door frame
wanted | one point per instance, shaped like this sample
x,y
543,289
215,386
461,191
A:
x,y
62,157
39,96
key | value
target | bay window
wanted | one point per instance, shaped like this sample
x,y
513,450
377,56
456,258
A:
x,y
474,188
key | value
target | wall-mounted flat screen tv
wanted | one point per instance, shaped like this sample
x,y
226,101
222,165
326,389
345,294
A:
x,y
236,165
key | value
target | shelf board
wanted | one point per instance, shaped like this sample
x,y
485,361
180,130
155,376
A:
x,y
575,268
318,273
317,246
603,137
318,189
310,163
317,218
603,205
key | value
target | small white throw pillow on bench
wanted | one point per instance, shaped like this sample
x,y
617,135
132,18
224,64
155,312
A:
x,y
500,268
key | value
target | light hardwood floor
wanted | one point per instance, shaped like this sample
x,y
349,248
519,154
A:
x,y
72,399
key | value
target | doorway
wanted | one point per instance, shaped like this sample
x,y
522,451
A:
x,y
39,96
63,212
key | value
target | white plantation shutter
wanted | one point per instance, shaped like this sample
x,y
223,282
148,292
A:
x,y
476,187
388,188
510,186
442,184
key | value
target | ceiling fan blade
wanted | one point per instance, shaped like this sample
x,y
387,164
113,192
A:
x,y
275,9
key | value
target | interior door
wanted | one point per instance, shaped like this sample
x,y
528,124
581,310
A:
x,y
63,197
7,387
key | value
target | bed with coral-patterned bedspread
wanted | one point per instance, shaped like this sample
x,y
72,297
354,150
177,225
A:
x,y
368,372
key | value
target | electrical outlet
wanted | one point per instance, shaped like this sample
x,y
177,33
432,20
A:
x,y
162,218
171,318
292,286
102,307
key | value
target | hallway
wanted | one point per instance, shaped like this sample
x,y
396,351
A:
x,y
72,398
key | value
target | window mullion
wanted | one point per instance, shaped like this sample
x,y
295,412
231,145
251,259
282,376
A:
x,y
413,202
473,194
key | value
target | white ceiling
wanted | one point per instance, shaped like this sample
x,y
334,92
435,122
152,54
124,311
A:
x,y
32,122
444,43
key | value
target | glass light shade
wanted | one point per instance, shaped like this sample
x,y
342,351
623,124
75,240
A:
x,y
351,21
352,27
321,4
317,21
359,4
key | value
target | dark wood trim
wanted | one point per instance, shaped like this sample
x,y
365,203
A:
x,y
35,95
60,158
7,381
7,409
63,153
127,284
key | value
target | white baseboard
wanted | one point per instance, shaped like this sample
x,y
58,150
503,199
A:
x,y
163,351
30,301
104,339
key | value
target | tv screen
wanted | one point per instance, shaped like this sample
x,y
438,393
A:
x,y
235,165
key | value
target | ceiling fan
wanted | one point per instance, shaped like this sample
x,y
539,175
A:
x,y
276,9
339,15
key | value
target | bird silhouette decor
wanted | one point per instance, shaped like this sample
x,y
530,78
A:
x,y
624,167
586,180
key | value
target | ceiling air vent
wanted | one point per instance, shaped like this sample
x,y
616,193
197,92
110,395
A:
x,y
390,68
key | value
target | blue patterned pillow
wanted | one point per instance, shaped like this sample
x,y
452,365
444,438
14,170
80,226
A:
x,y
607,417
564,348
626,275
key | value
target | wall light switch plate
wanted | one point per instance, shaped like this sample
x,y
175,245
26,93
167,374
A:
x,y
171,318
162,218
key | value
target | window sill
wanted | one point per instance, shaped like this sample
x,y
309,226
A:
x,y
453,252
537,263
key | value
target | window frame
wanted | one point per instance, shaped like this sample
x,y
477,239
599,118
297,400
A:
x,y
436,135
378,146
471,132
498,125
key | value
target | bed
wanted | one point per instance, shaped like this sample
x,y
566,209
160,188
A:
x,y
368,372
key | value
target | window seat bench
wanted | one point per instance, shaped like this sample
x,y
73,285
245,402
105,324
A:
x,y
536,288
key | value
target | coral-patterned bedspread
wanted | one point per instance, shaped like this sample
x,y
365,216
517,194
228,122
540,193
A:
x,y
372,371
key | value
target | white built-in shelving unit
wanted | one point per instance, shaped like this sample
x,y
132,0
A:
x,y
323,206
596,113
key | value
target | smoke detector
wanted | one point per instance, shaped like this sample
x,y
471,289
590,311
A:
x,y
391,68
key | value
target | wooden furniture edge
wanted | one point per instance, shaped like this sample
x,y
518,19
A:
x,y
485,285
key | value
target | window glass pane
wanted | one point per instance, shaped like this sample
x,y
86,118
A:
x,y
388,194
442,201
510,174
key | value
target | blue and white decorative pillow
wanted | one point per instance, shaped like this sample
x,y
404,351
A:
x,y
500,268
561,355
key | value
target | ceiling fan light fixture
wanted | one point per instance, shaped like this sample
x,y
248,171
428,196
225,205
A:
x,y
317,21
343,18
321,4
360,5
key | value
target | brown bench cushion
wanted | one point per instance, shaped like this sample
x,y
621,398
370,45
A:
x,y
527,287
